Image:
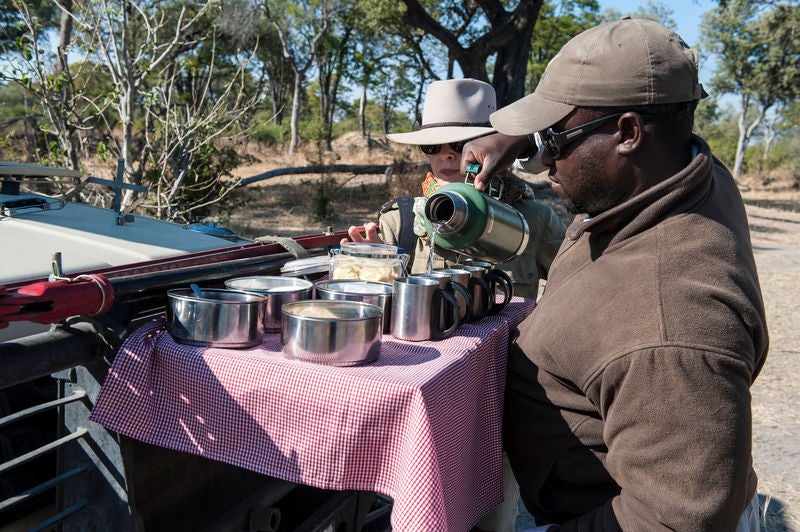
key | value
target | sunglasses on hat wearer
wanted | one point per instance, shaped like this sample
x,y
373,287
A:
x,y
432,149
556,142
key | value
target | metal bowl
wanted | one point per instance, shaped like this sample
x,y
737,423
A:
x,y
277,290
372,292
332,332
220,318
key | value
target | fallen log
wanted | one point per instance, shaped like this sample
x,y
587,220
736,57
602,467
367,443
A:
x,y
356,169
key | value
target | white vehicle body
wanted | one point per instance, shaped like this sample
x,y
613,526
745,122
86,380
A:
x,y
34,227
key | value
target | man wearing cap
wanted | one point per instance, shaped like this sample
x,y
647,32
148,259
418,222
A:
x,y
628,394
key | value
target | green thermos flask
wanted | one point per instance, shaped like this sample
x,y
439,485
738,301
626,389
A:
x,y
475,224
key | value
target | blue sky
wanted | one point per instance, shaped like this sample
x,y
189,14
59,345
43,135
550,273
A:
x,y
687,15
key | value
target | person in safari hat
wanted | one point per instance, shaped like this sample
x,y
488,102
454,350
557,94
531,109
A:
x,y
628,390
456,111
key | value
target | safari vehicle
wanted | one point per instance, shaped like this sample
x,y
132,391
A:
x,y
75,280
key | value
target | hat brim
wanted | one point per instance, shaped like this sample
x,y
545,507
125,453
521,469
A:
x,y
439,135
529,115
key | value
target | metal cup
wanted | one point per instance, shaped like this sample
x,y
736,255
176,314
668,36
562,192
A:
x,y
498,281
460,292
482,294
460,285
417,306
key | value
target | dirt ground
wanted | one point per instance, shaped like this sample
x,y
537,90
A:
x,y
776,394
287,206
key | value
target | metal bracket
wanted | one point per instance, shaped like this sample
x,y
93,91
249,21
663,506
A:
x,y
21,206
495,189
119,185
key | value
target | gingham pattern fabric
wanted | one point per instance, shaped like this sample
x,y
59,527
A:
x,y
421,425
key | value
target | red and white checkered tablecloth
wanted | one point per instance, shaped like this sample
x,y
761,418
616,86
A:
x,y
421,425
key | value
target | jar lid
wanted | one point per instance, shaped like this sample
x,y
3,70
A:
x,y
369,250
306,266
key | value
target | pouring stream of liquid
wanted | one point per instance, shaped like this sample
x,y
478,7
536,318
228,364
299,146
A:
x,y
434,229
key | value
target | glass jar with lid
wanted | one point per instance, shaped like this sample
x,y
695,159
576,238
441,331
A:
x,y
368,262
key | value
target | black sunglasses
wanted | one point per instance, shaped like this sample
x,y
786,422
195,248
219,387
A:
x,y
556,142
431,149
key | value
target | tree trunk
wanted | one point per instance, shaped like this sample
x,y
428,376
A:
x,y
418,102
745,134
769,139
65,34
331,65
278,92
362,110
741,146
511,69
325,110
294,125
126,119
508,35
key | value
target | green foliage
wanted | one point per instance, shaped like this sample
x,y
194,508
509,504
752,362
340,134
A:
x,y
758,51
12,28
785,150
785,156
7,152
558,22
718,127
267,132
102,153
653,10
380,16
17,103
313,131
568,18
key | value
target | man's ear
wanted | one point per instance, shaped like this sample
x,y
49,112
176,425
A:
x,y
630,133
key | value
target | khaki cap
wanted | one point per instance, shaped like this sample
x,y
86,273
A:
x,y
627,62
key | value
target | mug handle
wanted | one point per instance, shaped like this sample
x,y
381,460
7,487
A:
x,y
488,296
404,258
450,299
499,278
458,287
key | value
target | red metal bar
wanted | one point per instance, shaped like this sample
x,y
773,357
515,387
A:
x,y
92,293
48,302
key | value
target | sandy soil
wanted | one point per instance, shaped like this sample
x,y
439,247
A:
x,y
287,206
776,394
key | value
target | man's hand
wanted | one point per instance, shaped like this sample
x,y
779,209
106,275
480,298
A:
x,y
370,234
495,153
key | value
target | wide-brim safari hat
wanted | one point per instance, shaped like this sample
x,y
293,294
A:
x,y
629,62
454,110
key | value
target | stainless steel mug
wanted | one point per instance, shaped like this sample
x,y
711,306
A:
x,y
460,291
483,294
461,277
498,281
417,305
